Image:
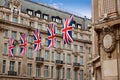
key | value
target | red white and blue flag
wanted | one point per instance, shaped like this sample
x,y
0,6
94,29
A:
x,y
67,30
23,44
11,47
51,35
37,40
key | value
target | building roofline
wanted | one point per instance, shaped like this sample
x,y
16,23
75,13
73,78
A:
x,y
45,5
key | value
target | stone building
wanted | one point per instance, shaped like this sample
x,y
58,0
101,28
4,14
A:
x,y
106,39
63,62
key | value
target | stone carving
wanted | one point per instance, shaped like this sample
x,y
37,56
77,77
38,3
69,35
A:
x,y
108,40
15,2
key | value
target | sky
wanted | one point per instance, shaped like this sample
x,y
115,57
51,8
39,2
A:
x,y
78,7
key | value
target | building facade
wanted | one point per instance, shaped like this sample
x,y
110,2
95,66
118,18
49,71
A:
x,y
63,62
106,39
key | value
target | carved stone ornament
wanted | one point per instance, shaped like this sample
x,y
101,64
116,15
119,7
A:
x,y
108,40
15,2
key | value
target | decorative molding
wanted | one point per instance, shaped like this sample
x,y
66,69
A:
x,y
15,2
108,39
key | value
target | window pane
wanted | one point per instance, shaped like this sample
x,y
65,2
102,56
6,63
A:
x,y
5,33
75,48
58,44
38,70
46,55
32,24
12,63
4,66
75,75
19,67
15,19
52,57
68,73
81,74
5,48
46,71
29,69
68,58
30,39
14,34
51,71
39,26
75,59
58,56
81,60
7,17
39,53
29,52
81,48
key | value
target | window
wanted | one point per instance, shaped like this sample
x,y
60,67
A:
x,y
14,50
52,57
45,71
15,10
15,19
75,75
39,53
63,57
58,56
37,70
58,44
53,18
81,48
51,71
75,35
75,48
5,48
11,67
68,46
7,17
4,66
73,24
14,34
30,39
81,74
32,24
89,50
81,60
89,37
38,14
81,36
68,73
40,26
46,55
45,17
29,69
29,55
30,12
79,26
46,41
75,59
58,31
21,20
19,67
68,58
63,73
57,73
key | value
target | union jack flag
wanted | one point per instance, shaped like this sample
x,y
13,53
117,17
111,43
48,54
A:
x,y
51,35
37,40
11,47
67,30
23,44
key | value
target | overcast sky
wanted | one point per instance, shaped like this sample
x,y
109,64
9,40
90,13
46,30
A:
x,y
80,7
